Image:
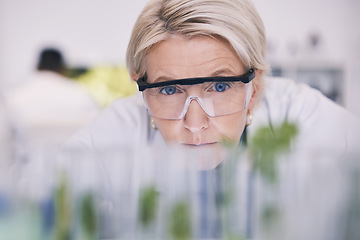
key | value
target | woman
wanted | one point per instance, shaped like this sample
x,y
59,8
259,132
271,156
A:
x,y
201,67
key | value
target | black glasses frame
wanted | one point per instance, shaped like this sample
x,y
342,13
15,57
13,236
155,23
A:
x,y
245,78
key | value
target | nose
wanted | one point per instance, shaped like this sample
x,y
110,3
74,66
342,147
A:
x,y
195,118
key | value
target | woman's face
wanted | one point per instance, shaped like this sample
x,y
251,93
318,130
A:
x,y
178,58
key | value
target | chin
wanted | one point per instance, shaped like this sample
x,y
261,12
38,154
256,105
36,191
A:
x,y
207,156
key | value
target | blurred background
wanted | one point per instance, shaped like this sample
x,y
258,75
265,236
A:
x,y
313,41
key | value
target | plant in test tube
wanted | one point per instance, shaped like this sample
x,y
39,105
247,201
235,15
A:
x,y
180,222
266,147
63,211
89,220
148,205
267,144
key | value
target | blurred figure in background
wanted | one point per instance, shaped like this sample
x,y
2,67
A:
x,y
51,59
49,107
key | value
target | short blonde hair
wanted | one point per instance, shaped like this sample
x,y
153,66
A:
x,y
236,21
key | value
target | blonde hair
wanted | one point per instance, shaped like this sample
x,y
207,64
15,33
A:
x,y
236,21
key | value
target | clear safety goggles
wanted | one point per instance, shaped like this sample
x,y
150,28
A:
x,y
217,96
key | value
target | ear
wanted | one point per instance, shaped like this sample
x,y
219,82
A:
x,y
257,84
134,77
254,97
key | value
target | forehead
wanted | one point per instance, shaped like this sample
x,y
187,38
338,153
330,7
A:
x,y
179,57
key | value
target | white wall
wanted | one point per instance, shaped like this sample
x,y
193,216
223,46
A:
x,y
93,32
289,22
88,31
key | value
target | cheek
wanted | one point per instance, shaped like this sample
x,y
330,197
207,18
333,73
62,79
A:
x,y
169,129
230,127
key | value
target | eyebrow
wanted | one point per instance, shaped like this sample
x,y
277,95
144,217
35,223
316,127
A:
x,y
217,73
222,72
163,79
245,78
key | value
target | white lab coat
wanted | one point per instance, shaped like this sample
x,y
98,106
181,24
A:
x,y
322,123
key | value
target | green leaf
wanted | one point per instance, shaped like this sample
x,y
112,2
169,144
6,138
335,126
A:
x,y
63,211
180,222
148,205
88,216
268,144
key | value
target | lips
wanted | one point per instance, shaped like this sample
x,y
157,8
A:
x,y
199,144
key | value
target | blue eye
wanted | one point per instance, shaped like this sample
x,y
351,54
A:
x,y
221,86
169,90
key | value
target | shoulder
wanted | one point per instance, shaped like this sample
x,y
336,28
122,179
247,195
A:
x,y
284,99
299,102
321,122
122,123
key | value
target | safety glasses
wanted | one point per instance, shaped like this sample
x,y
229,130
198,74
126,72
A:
x,y
217,96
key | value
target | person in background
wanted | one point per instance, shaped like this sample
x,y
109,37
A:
x,y
51,59
49,107
201,70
